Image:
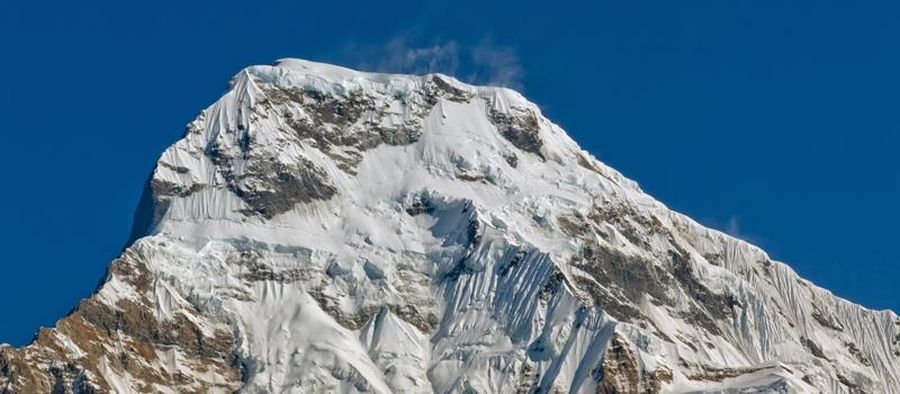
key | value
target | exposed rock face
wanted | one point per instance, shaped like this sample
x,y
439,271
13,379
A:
x,y
521,128
622,372
319,229
120,332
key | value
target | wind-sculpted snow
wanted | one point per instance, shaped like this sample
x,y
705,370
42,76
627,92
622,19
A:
x,y
320,229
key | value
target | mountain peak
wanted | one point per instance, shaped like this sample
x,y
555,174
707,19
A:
x,y
322,229
299,131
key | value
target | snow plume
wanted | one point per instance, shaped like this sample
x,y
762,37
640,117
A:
x,y
501,64
484,62
400,56
733,228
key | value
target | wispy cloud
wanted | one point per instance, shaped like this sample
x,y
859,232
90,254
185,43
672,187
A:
x,y
501,63
399,56
484,62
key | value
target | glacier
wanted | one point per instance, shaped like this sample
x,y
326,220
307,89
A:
x,y
321,229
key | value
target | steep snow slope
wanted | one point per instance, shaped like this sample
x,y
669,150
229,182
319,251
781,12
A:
x,y
320,229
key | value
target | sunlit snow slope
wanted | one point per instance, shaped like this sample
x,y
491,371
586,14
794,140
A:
x,y
320,229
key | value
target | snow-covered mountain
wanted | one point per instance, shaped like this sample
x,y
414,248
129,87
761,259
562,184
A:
x,y
320,229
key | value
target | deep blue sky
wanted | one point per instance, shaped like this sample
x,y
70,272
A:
x,y
776,121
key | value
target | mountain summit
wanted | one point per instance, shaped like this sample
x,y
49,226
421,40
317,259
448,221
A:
x,y
319,229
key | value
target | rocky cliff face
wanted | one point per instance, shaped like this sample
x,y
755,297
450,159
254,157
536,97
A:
x,y
320,229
